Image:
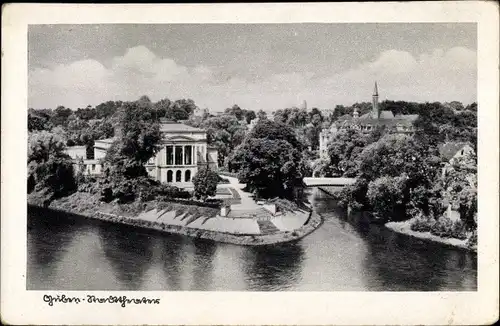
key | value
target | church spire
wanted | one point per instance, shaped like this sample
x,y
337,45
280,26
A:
x,y
375,108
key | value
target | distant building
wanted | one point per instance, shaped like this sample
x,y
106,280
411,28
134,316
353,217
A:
x,y
453,152
183,152
252,124
368,122
217,113
80,161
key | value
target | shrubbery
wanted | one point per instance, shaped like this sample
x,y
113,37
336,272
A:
x,y
443,227
284,205
472,241
422,224
205,183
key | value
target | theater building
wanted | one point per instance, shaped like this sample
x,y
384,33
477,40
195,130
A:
x,y
183,151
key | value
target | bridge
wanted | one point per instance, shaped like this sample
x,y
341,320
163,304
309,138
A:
x,y
336,182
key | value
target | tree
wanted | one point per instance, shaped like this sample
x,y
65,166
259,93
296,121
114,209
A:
x,y
225,133
136,143
86,114
107,109
60,116
322,167
386,196
269,167
181,109
205,183
393,155
236,111
261,115
250,115
344,149
270,160
271,130
50,169
460,188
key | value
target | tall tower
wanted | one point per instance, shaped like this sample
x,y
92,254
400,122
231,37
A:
x,y
375,109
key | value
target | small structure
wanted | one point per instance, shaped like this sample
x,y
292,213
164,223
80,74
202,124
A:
x,y
225,209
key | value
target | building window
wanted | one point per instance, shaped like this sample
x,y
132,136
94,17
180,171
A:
x,y
93,167
188,154
170,155
170,176
178,176
178,155
187,176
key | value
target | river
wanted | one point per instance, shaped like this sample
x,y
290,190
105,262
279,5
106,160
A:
x,y
345,254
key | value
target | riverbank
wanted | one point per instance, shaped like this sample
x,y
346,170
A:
x,y
204,222
405,228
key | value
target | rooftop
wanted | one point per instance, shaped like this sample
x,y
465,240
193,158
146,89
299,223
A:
x,y
172,126
448,150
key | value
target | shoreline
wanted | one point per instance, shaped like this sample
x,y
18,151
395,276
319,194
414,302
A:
x,y
405,228
312,223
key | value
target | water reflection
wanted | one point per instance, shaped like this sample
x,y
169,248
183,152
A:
x,y
172,257
273,267
49,236
129,252
204,253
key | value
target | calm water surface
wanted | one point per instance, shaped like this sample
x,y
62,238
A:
x,y
72,253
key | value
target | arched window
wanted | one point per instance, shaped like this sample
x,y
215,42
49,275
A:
x,y
170,176
187,176
178,176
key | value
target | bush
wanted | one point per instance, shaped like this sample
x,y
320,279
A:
x,y
442,227
205,183
422,224
284,205
446,228
472,241
169,191
222,180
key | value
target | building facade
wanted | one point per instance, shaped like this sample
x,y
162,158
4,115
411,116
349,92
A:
x,y
183,151
368,122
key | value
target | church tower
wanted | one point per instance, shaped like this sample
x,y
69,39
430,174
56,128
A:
x,y
375,108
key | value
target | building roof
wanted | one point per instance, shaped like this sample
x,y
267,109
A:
x,y
106,141
344,117
450,149
178,127
407,117
386,114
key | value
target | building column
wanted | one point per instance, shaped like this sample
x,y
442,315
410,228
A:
x,y
183,155
173,160
194,155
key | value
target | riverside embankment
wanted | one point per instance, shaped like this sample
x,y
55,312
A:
x,y
72,253
195,221
404,227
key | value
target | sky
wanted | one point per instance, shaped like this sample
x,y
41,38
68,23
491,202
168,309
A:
x,y
260,66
